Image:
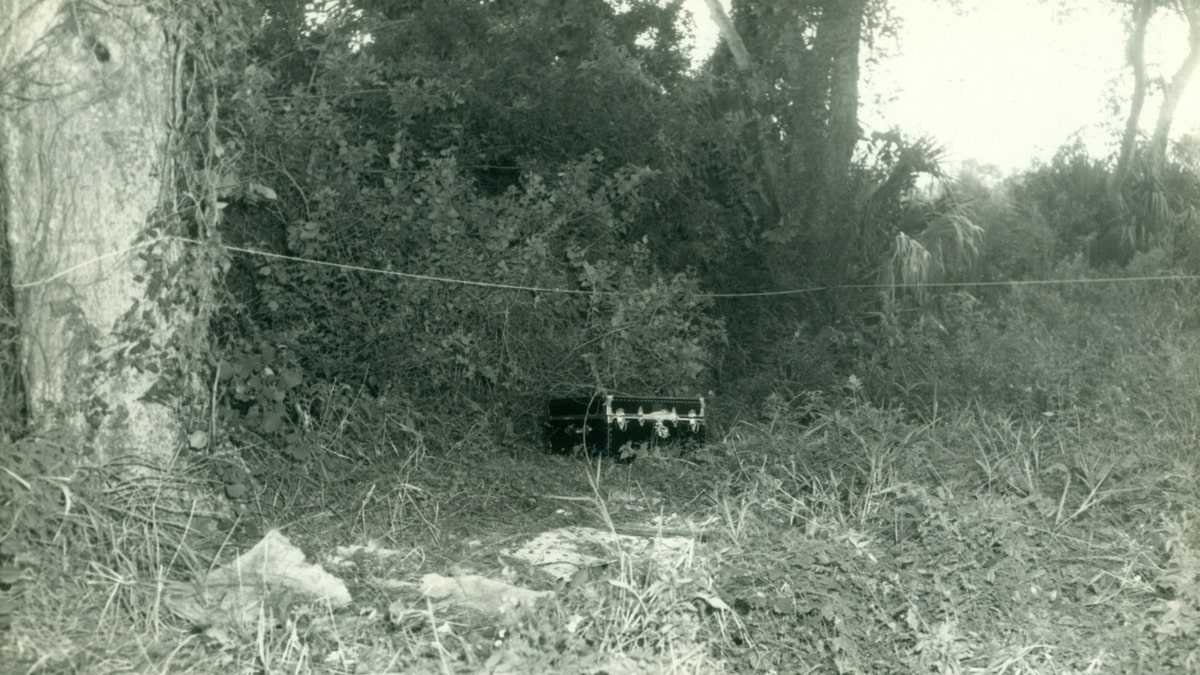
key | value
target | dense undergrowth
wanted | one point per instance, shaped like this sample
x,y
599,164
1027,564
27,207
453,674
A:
x,y
1048,522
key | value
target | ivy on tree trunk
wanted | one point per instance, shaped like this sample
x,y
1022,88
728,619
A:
x,y
86,115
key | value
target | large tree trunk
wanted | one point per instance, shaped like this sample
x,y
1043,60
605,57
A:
x,y
840,38
83,147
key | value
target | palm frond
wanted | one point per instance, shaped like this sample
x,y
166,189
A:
x,y
947,246
908,270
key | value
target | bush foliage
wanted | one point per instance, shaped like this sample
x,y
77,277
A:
x,y
430,159
433,166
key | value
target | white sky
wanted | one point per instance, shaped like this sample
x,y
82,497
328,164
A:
x,y
1007,82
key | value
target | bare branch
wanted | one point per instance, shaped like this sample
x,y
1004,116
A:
x,y
741,56
1178,84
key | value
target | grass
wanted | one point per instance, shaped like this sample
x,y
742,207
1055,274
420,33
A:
x,y
859,543
850,540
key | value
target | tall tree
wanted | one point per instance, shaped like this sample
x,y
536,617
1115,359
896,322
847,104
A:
x,y
839,42
105,308
1178,84
1141,13
770,164
1135,57
802,63
1139,219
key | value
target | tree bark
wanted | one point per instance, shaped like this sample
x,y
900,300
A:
x,y
83,146
840,38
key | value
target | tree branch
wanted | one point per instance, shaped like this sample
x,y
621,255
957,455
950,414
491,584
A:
x,y
1135,56
1179,82
741,56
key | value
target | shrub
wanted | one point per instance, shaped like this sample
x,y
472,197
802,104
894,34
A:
x,y
619,324
1069,349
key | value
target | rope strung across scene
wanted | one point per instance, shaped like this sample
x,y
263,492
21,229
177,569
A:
x,y
568,291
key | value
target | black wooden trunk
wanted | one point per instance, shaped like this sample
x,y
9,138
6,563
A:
x,y
623,425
